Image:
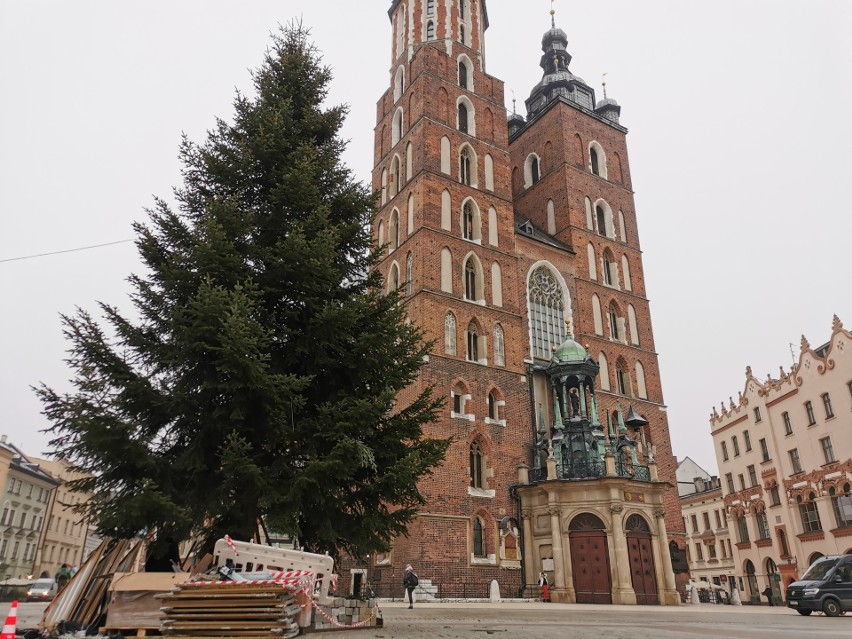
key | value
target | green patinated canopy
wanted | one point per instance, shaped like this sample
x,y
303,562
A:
x,y
569,351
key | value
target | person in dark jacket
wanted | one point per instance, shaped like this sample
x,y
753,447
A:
x,y
767,592
409,582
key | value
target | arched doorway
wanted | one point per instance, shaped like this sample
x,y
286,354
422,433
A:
x,y
590,559
774,579
814,557
641,556
751,578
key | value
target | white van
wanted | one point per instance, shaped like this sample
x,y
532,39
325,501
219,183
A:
x,y
42,590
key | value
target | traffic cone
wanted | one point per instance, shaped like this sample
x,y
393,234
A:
x,y
11,622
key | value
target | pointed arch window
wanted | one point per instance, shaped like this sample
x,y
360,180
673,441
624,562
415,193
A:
x,y
393,230
462,75
467,221
478,538
594,157
608,268
493,406
499,346
430,31
450,334
464,161
601,219
622,378
535,169
462,117
476,467
472,343
409,275
470,291
461,34
547,308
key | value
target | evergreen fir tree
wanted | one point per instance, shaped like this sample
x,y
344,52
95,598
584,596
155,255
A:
x,y
260,381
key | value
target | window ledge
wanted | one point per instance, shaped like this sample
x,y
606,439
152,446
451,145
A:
x,y
490,560
763,543
815,535
495,422
481,492
470,418
843,531
766,461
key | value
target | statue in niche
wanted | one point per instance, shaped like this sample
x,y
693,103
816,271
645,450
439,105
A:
x,y
574,396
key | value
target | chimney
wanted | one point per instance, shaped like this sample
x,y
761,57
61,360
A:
x,y
2,439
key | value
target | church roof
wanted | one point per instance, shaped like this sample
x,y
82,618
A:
x,y
523,226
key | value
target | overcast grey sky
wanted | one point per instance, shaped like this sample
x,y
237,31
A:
x,y
740,133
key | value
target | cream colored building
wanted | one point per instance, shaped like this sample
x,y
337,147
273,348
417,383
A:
x,y
27,491
784,450
64,539
708,542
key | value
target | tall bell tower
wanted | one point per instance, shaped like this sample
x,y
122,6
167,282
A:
x,y
446,218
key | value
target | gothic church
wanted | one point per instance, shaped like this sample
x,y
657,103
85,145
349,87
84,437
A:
x,y
515,241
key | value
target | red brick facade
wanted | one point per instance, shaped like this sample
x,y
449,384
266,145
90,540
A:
x,y
441,541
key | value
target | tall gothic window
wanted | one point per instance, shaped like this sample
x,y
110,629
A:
x,y
476,466
461,33
594,156
601,216
464,168
470,291
462,117
430,31
409,275
536,174
467,221
462,75
478,538
547,307
450,334
462,8
607,268
622,379
499,346
472,343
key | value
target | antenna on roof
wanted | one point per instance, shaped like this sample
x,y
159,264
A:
x,y
514,109
792,353
552,15
603,82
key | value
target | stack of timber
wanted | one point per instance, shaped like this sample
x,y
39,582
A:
x,y
239,610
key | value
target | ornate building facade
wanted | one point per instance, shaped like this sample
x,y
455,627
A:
x,y
515,241
784,450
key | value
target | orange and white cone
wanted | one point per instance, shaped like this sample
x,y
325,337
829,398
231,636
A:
x,y
11,622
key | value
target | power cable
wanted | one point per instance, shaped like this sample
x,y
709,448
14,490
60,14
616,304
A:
x,y
73,250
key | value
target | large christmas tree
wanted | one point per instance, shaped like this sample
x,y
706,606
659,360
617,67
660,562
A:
x,y
260,381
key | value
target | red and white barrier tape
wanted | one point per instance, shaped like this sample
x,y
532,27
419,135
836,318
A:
x,y
334,621
231,544
299,581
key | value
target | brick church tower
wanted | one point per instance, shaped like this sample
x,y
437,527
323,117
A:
x,y
506,237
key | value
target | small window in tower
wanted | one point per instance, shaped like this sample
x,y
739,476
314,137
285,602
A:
x,y
409,275
468,221
461,34
472,343
476,466
462,8
607,269
470,280
430,7
463,75
594,155
535,170
464,168
601,217
462,117
430,31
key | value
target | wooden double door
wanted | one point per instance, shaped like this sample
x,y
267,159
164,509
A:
x,y
590,563
640,553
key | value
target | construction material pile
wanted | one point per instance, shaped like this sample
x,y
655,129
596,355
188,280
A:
x,y
204,610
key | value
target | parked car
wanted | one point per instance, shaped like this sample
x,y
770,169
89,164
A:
x,y
826,586
42,590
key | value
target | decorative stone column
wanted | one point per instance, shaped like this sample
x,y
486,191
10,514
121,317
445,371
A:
x,y
669,595
523,474
559,591
532,562
622,589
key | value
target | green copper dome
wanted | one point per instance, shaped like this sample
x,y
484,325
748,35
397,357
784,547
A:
x,y
570,351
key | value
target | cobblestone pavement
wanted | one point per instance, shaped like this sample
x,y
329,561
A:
x,y
575,621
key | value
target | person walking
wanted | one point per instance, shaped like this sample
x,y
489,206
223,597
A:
x,y
409,582
767,592
63,576
545,587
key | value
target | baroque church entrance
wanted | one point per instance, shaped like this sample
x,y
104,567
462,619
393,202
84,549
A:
x,y
641,556
590,559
